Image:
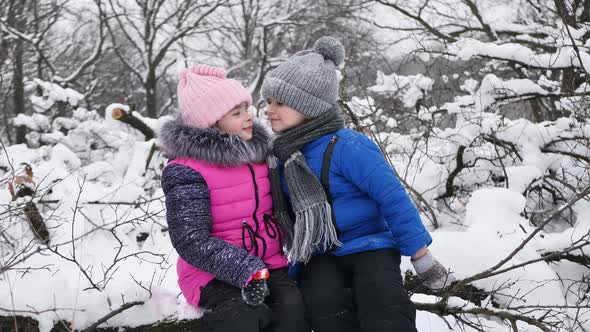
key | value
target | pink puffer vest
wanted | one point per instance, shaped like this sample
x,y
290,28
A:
x,y
235,195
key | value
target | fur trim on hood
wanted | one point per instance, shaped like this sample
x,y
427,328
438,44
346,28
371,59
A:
x,y
213,146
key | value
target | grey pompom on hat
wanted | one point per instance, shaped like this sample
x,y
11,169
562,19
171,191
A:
x,y
307,81
331,48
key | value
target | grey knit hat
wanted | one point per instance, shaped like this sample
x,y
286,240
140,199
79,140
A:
x,y
307,82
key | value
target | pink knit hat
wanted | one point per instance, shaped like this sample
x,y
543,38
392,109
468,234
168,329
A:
x,y
205,95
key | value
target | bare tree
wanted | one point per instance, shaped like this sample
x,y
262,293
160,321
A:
x,y
153,28
24,27
28,29
254,36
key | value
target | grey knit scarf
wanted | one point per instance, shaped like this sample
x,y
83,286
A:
x,y
308,226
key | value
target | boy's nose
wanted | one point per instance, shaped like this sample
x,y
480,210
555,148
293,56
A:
x,y
269,109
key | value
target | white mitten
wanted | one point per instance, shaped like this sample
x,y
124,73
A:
x,y
433,274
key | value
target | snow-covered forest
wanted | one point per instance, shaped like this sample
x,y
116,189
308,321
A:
x,y
481,106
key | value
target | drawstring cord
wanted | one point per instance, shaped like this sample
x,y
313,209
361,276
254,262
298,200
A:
x,y
273,229
254,236
251,235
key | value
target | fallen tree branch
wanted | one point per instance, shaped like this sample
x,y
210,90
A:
x,y
112,314
22,186
36,221
414,285
441,308
23,323
133,121
567,153
557,256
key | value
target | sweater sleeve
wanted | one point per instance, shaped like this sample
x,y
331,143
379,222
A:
x,y
188,213
362,163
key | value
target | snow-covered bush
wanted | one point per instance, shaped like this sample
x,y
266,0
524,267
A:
x,y
101,203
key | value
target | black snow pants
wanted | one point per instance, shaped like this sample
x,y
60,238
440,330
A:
x,y
358,292
283,311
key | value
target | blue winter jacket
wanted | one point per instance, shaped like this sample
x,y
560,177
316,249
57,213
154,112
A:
x,y
372,209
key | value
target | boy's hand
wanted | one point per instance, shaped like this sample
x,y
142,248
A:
x,y
433,274
257,290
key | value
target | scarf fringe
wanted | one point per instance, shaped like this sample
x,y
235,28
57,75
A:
x,y
307,239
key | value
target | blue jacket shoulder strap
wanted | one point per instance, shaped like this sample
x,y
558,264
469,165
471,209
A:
x,y
325,174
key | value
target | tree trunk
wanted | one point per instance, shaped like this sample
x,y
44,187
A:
x,y
563,12
16,49
151,99
571,79
585,17
4,47
27,324
19,88
6,122
537,109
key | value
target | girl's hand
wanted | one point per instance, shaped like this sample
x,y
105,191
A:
x,y
256,290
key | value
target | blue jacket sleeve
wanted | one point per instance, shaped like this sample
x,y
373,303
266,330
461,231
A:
x,y
362,163
188,213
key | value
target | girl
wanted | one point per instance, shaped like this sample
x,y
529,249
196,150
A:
x,y
218,208
350,217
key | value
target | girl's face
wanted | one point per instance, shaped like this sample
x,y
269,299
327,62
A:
x,y
237,121
283,117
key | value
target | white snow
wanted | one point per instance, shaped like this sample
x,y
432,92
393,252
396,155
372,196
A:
x,y
465,49
35,122
53,92
411,88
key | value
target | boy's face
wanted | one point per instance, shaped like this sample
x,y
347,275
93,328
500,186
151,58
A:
x,y
237,121
282,117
